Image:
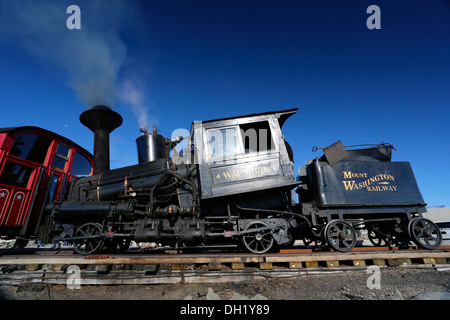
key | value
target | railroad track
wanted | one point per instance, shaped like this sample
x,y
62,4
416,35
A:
x,y
169,267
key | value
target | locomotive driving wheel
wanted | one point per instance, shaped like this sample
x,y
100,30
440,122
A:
x,y
424,233
340,235
257,237
90,238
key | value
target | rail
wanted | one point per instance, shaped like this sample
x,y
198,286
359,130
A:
x,y
169,268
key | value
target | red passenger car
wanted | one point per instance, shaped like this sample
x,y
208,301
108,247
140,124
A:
x,y
37,166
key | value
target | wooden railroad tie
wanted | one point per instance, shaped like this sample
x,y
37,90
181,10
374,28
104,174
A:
x,y
225,261
237,265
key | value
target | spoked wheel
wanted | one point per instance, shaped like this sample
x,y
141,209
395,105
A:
x,y
258,239
424,233
377,238
340,235
90,238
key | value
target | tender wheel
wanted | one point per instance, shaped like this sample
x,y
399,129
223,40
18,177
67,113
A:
x,y
377,238
425,233
340,235
91,238
259,239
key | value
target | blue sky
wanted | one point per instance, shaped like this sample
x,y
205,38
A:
x,y
179,61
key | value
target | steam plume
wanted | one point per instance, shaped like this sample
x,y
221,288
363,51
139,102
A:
x,y
132,97
91,56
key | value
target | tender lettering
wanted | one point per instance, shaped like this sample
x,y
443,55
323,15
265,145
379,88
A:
x,y
379,182
382,188
352,175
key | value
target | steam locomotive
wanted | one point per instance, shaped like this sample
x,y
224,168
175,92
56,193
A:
x,y
234,182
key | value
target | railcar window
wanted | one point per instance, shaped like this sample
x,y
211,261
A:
x,y
61,156
223,143
257,137
16,175
31,146
81,165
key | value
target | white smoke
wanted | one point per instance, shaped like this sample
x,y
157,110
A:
x,y
91,56
132,97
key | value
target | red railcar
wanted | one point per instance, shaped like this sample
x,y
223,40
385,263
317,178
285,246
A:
x,y
37,166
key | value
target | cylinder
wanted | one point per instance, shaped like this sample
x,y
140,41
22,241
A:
x,y
77,211
146,235
192,235
150,147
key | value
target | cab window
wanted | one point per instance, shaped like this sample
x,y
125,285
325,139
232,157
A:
x,y
257,137
223,143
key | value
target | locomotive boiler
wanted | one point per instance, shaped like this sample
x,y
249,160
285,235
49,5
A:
x,y
233,182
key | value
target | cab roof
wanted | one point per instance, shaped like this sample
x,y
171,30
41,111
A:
x,y
282,116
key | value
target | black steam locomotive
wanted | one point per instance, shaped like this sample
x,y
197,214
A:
x,y
234,181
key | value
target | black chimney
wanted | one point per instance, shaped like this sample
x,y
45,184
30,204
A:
x,y
102,121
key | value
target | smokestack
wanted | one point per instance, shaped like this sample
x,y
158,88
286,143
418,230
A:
x,y
102,121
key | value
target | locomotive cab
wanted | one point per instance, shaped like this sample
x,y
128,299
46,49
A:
x,y
245,158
